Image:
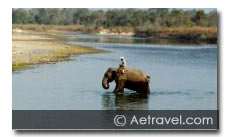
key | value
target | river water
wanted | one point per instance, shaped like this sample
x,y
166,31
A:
x,y
183,77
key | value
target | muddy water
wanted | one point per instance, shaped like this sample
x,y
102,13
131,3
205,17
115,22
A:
x,y
184,77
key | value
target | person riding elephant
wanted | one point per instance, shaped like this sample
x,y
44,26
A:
x,y
126,77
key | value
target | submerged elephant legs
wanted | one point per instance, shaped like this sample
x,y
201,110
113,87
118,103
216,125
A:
x,y
140,87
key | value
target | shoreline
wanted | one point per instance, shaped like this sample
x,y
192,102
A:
x,y
32,48
192,34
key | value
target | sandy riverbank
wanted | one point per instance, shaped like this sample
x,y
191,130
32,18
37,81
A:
x,y
30,48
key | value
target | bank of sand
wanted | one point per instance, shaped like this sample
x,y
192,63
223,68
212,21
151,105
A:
x,y
30,48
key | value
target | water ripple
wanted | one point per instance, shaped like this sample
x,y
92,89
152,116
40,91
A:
x,y
155,93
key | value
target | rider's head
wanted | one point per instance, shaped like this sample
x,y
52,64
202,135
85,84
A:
x,y
122,58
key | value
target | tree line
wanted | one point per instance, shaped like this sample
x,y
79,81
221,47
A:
x,y
159,17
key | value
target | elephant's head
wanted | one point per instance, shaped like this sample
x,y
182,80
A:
x,y
109,76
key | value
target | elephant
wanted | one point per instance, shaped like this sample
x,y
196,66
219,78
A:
x,y
129,78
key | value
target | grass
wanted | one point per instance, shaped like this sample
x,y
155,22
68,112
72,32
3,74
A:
x,y
53,28
45,28
20,65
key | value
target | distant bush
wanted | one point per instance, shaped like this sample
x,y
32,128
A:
x,y
162,17
187,33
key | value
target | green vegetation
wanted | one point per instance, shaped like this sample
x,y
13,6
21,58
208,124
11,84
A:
x,y
19,66
116,17
161,22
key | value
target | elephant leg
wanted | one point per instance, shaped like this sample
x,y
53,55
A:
x,y
148,89
144,89
119,87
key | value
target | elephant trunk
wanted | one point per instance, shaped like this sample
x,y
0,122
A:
x,y
105,83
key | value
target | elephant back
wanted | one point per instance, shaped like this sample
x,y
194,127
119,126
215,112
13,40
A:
x,y
134,75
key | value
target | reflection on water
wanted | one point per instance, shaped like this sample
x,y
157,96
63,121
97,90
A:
x,y
183,77
126,101
167,93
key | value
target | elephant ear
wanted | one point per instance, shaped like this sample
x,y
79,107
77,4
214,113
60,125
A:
x,y
115,73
